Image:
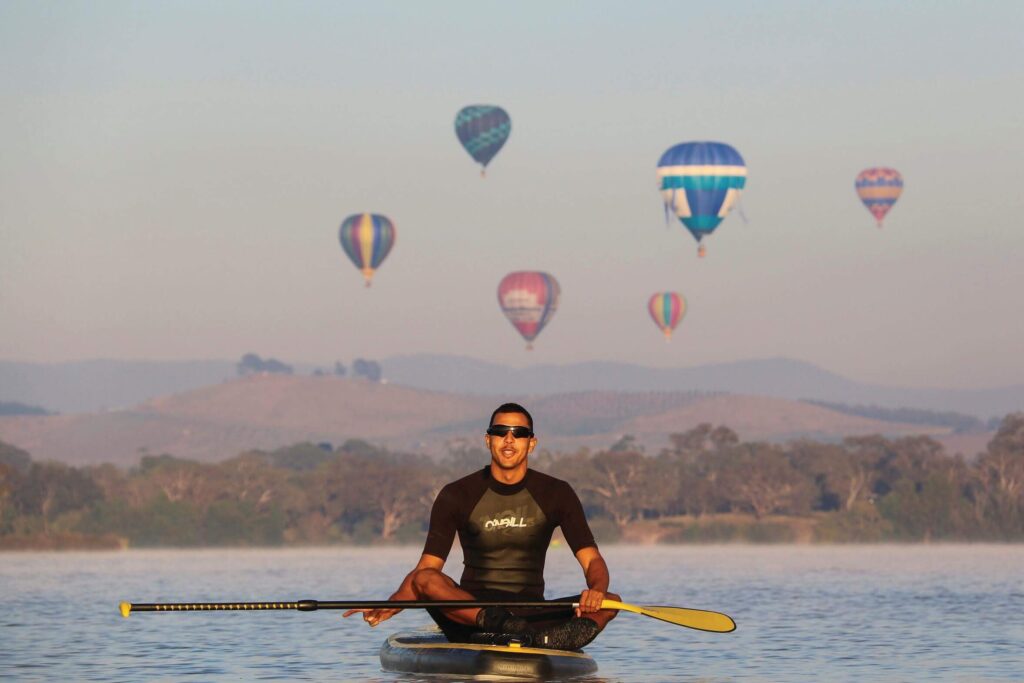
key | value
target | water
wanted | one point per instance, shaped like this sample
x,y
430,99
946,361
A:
x,y
805,613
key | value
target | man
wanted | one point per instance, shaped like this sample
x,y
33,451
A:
x,y
504,516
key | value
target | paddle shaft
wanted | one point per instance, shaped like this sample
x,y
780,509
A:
x,y
702,620
314,605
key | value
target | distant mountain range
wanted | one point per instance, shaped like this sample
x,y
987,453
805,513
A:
x,y
92,386
96,385
778,377
270,411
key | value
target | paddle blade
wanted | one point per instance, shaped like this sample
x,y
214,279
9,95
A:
x,y
699,619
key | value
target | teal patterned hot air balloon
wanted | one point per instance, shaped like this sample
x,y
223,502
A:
x,y
482,129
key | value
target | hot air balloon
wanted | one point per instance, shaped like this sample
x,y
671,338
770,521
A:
x,y
528,299
699,183
367,238
879,188
482,129
667,309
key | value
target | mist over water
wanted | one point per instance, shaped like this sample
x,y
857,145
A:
x,y
804,613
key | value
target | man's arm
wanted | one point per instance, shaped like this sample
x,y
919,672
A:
x,y
405,592
595,570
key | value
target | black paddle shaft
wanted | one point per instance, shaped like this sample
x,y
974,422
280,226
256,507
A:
x,y
314,605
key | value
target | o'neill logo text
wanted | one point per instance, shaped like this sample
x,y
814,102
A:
x,y
508,520
505,523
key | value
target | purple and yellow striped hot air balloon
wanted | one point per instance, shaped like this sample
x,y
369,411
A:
x,y
367,238
528,299
879,188
667,309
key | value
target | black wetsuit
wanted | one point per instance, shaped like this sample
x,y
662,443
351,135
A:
x,y
504,531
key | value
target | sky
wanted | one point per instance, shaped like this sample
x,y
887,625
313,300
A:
x,y
173,175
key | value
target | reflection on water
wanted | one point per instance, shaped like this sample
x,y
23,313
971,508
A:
x,y
805,613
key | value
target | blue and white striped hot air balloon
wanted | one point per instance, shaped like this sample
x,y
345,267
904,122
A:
x,y
482,129
700,182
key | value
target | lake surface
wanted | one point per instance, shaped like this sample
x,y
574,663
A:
x,y
804,613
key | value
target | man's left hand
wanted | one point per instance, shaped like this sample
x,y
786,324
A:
x,y
590,601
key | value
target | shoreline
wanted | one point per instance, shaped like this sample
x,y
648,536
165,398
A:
x,y
714,529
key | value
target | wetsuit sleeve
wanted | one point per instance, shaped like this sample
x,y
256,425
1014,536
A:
x,y
443,524
573,522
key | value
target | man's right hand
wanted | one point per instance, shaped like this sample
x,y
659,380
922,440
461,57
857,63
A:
x,y
404,592
373,616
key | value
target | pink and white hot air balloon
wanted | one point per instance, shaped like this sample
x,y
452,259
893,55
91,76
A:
x,y
528,299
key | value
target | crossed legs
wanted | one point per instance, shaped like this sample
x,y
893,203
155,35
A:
x,y
432,584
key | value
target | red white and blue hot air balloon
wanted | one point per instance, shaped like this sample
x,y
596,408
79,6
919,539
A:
x,y
528,299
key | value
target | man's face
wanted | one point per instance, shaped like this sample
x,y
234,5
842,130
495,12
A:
x,y
508,452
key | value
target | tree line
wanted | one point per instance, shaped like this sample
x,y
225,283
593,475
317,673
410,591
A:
x,y
707,485
958,422
253,364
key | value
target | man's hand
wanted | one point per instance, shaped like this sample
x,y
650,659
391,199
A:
x,y
373,616
590,601
404,592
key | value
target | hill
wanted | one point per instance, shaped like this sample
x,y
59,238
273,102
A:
x,y
270,411
92,386
779,377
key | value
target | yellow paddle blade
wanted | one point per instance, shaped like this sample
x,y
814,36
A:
x,y
699,619
126,609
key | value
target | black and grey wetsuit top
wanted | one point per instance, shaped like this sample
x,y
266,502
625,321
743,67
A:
x,y
505,529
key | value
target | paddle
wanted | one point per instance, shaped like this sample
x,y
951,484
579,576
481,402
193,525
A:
x,y
701,620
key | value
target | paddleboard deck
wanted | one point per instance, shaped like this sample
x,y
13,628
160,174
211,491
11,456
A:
x,y
429,652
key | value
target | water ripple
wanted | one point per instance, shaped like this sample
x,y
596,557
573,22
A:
x,y
885,613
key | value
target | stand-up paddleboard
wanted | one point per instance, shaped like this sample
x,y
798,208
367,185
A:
x,y
429,652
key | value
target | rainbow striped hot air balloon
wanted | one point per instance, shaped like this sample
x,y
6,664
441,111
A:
x,y
367,238
528,299
667,309
879,188
700,182
482,129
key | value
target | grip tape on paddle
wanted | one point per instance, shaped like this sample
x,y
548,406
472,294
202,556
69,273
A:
x,y
127,607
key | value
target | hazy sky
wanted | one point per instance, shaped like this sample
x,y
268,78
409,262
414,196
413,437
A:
x,y
172,178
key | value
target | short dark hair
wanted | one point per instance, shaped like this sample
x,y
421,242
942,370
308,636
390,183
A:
x,y
512,408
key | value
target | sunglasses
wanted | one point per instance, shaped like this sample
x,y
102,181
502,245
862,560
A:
x,y
517,432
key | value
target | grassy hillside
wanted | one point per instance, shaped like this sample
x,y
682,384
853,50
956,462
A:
x,y
218,421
